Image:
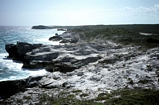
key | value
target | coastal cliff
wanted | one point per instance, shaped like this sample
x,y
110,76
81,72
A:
x,y
87,67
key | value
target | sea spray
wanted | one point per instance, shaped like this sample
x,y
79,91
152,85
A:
x,y
11,70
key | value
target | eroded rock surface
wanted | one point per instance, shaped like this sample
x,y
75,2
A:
x,y
66,37
18,51
64,58
91,67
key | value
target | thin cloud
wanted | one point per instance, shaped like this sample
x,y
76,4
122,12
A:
x,y
127,8
144,10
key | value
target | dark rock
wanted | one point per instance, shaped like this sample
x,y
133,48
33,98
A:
x,y
67,84
38,56
71,64
56,34
33,81
39,61
65,41
62,67
66,37
157,56
152,40
109,61
80,73
43,57
52,85
8,88
55,38
18,51
61,29
32,84
33,64
11,49
157,73
63,64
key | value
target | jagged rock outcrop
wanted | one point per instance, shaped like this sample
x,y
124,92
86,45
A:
x,y
56,62
55,38
53,58
8,88
18,51
66,37
101,66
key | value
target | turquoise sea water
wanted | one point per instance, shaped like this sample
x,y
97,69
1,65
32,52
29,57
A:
x,y
10,70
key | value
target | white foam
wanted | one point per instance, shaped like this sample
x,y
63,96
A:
x,y
46,41
13,70
10,70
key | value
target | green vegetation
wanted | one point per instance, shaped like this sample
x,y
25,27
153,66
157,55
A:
x,y
117,97
134,97
124,34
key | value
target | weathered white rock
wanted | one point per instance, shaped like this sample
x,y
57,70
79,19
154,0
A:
x,y
107,67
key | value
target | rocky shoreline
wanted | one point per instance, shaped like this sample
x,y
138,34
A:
x,y
92,67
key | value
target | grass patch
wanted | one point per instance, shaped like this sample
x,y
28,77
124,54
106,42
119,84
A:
x,y
103,96
133,97
65,100
117,97
124,34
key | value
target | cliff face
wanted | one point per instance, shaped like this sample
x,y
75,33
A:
x,y
90,67
18,51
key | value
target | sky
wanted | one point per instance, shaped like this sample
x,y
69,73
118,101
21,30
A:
x,y
78,12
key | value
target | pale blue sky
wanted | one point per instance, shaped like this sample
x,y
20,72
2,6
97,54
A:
x,y
78,12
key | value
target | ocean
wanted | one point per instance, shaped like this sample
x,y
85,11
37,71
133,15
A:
x,y
10,70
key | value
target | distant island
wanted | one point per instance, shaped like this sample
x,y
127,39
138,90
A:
x,y
42,27
49,27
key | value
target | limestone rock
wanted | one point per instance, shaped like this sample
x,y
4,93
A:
x,y
18,51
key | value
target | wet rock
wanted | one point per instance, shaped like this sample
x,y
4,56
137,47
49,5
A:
x,y
18,51
11,49
55,38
